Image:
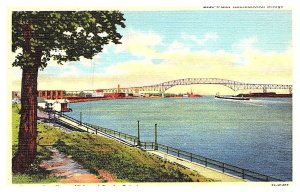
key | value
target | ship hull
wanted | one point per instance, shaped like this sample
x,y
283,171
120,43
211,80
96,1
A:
x,y
269,94
233,98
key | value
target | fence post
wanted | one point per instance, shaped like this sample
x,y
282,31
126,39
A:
x,y
167,150
205,162
156,146
96,131
80,118
191,157
223,167
138,140
243,174
178,153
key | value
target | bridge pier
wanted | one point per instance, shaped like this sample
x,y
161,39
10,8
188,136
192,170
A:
x,y
264,89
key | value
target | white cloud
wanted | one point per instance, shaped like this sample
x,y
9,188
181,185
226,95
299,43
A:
x,y
244,44
141,38
176,46
200,42
68,71
139,43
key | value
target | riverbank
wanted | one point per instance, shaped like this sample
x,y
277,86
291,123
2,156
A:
x,y
209,172
87,99
217,129
205,171
100,155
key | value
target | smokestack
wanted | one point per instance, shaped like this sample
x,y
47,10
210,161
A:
x,y
118,88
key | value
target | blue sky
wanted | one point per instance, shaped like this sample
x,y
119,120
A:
x,y
176,44
270,29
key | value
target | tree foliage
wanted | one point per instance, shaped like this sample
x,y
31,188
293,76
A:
x,y
62,35
38,37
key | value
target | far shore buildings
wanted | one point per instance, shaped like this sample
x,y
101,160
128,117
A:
x,y
53,99
47,99
51,94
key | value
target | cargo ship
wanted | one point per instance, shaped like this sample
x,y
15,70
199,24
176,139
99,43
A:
x,y
232,98
268,94
217,96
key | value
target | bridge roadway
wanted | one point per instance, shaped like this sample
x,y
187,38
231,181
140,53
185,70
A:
x,y
233,85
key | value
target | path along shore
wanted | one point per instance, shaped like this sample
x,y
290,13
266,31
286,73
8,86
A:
x,y
202,170
64,166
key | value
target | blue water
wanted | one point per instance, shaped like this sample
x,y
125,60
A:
x,y
254,135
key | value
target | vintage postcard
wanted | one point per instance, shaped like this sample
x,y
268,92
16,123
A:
x,y
139,96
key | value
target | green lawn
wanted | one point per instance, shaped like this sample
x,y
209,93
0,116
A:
x,y
15,126
126,163
34,174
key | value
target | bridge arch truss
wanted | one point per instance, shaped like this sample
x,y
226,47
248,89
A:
x,y
233,85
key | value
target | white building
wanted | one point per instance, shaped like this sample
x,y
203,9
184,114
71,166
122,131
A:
x,y
59,105
98,93
41,102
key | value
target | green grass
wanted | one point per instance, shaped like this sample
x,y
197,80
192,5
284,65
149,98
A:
x,y
15,126
35,174
127,164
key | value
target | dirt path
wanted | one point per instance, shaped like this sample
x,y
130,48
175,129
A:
x,y
61,165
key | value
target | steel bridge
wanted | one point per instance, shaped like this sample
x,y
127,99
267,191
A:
x,y
233,85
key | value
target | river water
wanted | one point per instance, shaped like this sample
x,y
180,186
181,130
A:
x,y
254,135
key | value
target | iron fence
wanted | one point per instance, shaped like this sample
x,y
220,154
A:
x,y
207,162
210,163
97,129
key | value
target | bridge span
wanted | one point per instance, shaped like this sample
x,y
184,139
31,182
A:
x,y
233,85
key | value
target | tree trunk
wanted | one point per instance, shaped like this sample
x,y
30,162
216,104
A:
x,y
27,146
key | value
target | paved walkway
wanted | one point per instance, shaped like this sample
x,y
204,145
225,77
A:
x,y
90,130
202,170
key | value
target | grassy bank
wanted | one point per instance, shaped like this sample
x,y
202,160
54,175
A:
x,y
35,174
126,164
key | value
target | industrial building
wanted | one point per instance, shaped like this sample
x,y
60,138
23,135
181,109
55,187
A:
x,y
51,94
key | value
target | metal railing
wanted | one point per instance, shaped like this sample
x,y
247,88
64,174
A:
x,y
210,163
118,134
97,129
207,162
68,125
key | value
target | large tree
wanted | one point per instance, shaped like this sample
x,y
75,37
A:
x,y
41,36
